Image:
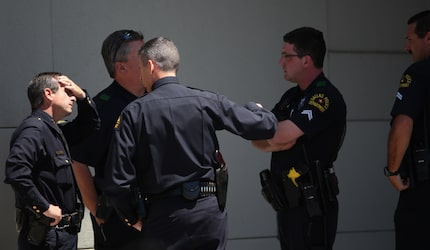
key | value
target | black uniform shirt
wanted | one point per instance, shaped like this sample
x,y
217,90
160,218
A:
x,y
411,98
413,92
39,163
320,112
169,137
110,102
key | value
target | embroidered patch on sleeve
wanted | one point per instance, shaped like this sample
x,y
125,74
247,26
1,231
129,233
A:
x,y
320,101
117,123
405,81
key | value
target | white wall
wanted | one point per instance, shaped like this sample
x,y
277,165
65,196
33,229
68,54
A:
x,y
231,47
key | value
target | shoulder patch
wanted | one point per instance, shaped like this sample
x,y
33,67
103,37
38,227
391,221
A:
x,y
320,101
405,81
117,123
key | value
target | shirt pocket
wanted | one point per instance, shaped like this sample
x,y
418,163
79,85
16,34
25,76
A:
x,y
63,171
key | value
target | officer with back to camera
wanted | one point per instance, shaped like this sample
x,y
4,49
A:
x,y
164,148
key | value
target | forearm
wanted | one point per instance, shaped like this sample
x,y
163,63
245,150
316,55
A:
x,y
269,146
85,182
398,141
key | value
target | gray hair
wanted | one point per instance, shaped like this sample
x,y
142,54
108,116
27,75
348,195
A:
x,y
37,86
163,52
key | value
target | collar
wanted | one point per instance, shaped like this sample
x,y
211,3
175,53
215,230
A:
x,y
320,79
122,91
163,81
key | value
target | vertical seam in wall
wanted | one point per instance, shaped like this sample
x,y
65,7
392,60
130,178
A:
x,y
52,33
327,36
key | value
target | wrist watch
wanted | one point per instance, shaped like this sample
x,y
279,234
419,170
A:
x,y
388,173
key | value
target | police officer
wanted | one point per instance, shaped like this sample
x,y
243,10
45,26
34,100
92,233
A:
x,y
312,121
120,53
408,167
164,146
39,165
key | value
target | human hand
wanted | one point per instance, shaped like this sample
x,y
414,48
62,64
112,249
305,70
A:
x,y
99,221
70,86
398,183
138,225
53,212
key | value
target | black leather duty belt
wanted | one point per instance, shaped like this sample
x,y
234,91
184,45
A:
x,y
67,220
204,189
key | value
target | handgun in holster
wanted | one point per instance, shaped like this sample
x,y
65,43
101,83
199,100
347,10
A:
x,y
221,180
38,226
269,191
303,186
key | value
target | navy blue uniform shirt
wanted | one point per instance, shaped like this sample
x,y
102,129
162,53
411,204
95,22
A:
x,y
93,151
169,137
39,165
320,112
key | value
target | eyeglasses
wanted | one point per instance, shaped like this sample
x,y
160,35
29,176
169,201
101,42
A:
x,y
286,56
126,36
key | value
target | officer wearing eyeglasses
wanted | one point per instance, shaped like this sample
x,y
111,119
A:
x,y
39,165
120,54
408,163
301,185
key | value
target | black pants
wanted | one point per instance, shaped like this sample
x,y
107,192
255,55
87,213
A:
x,y
412,218
179,224
113,234
55,240
298,232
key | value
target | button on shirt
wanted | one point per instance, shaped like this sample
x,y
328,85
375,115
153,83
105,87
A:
x,y
169,137
39,163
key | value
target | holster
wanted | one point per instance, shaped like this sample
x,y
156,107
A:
x,y
270,192
77,220
221,180
20,219
38,228
421,160
141,203
331,183
302,189
104,208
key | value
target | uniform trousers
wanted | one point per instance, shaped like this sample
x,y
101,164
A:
x,y
55,240
179,224
298,232
114,234
412,218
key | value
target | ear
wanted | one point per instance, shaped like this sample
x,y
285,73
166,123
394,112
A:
x,y
48,94
307,61
152,65
119,66
427,38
